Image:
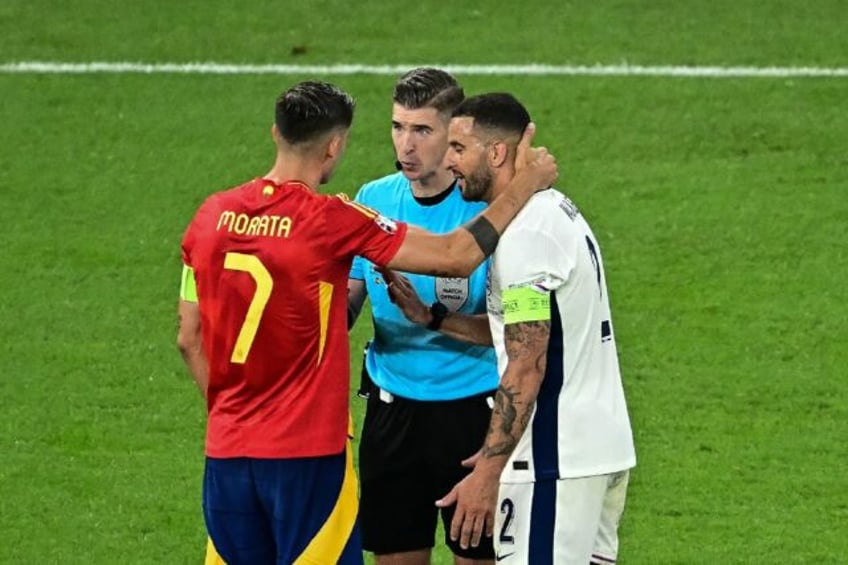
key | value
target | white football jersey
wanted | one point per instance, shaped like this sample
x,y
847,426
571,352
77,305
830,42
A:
x,y
580,426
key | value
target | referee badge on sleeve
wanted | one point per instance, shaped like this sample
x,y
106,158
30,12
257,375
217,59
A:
x,y
452,292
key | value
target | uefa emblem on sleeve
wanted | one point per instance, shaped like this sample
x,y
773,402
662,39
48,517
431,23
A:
x,y
387,225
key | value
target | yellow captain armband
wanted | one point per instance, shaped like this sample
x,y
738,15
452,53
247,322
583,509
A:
x,y
526,304
188,288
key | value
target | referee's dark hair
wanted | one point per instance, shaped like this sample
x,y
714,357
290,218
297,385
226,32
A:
x,y
310,109
428,87
495,111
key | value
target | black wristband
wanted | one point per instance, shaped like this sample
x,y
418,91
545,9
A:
x,y
438,311
484,233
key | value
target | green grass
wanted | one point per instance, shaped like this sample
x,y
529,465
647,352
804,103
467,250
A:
x,y
720,206
661,31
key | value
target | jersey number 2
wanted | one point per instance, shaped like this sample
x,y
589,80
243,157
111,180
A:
x,y
251,265
508,508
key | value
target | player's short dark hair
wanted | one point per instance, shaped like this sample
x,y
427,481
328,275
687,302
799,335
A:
x,y
426,87
497,110
311,109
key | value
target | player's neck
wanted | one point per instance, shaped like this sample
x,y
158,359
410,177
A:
x,y
499,183
287,169
433,184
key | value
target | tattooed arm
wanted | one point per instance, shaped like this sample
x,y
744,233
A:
x,y
476,495
526,348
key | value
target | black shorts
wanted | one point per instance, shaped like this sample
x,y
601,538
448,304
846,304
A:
x,y
409,457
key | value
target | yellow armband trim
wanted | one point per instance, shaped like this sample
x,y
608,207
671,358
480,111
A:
x,y
526,304
188,288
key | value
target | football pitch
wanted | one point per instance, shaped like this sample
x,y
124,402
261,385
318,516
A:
x,y
721,204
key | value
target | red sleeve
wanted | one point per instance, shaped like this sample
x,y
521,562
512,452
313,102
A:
x,y
187,244
359,230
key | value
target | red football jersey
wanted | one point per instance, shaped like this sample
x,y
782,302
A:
x,y
271,264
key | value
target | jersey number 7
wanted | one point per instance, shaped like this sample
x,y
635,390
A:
x,y
251,265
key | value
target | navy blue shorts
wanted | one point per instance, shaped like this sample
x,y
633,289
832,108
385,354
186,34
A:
x,y
282,511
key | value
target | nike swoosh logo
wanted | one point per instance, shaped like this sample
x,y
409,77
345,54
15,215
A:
x,y
504,556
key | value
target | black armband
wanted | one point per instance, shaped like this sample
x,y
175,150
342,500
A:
x,y
484,233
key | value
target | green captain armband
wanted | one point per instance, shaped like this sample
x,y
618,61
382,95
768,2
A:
x,y
188,288
525,304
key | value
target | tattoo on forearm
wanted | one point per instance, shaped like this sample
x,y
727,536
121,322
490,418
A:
x,y
526,341
503,435
500,439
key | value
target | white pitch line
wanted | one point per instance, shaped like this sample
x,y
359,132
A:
x,y
52,67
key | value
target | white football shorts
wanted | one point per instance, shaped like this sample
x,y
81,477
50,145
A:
x,y
560,522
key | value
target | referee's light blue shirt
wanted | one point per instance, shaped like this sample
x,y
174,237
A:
x,y
407,359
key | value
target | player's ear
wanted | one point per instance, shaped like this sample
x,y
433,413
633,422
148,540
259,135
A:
x,y
275,134
336,144
498,153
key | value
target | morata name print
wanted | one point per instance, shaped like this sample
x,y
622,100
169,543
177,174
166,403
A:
x,y
242,224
